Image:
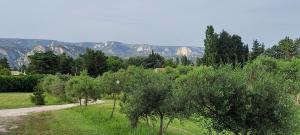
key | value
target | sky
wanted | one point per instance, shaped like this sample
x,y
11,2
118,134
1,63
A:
x,y
156,22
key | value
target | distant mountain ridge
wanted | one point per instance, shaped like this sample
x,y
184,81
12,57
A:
x,y
18,50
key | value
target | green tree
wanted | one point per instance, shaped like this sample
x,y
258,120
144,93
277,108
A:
x,y
54,85
94,62
135,61
154,60
199,61
211,45
185,61
65,64
82,86
114,63
224,48
43,63
4,63
146,94
285,49
169,63
4,71
257,49
112,83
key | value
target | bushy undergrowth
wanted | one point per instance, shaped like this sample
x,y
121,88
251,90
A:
x,y
24,83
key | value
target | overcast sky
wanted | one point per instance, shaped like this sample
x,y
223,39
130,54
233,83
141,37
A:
x,y
158,22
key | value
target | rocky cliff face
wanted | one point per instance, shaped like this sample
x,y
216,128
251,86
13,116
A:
x,y
18,50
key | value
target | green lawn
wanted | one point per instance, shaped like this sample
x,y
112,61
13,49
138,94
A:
x,y
94,120
18,100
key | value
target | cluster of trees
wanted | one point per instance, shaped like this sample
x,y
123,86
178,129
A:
x,y
257,99
285,49
96,63
224,48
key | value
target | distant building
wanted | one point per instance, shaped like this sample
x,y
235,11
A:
x,y
17,73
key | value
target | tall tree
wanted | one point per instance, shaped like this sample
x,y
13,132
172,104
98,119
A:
x,y
154,60
43,63
65,64
224,48
4,63
257,49
94,62
210,43
185,61
114,63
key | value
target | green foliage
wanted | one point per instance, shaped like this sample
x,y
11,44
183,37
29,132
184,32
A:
x,y
272,110
185,61
43,63
65,64
285,49
112,83
250,102
146,93
257,49
4,63
54,85
114,63
183,70
19,83
82,87
169,63
94,62
38,97
4,71
135,61
224,48
154,60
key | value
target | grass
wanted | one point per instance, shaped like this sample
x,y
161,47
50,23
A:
x,y
94,120
18,100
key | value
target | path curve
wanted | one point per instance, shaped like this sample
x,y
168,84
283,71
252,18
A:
x,y
26,111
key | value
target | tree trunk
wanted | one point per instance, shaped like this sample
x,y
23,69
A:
x,y
80,100
86,100
166,127
134,121
114,97
161,124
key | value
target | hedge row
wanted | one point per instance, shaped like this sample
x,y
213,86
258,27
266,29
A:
x,y
24,83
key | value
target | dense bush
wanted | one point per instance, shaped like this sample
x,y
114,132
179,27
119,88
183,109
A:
x,y
54,85
19,83
38,97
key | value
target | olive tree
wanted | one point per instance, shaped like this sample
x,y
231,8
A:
x,y
242,102
146,93
82,86
112,83
53,85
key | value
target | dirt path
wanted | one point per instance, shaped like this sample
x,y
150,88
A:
x,y
10,117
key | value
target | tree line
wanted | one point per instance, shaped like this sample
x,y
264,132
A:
x,y
259,98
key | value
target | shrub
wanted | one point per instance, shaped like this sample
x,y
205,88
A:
x,y
19,83
38,97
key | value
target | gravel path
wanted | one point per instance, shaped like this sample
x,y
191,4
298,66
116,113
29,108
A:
x,y
9,118
26,111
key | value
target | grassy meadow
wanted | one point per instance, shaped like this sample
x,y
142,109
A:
x,y
94,120
19,100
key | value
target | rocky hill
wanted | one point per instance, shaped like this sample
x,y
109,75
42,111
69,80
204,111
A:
x,y
18,50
